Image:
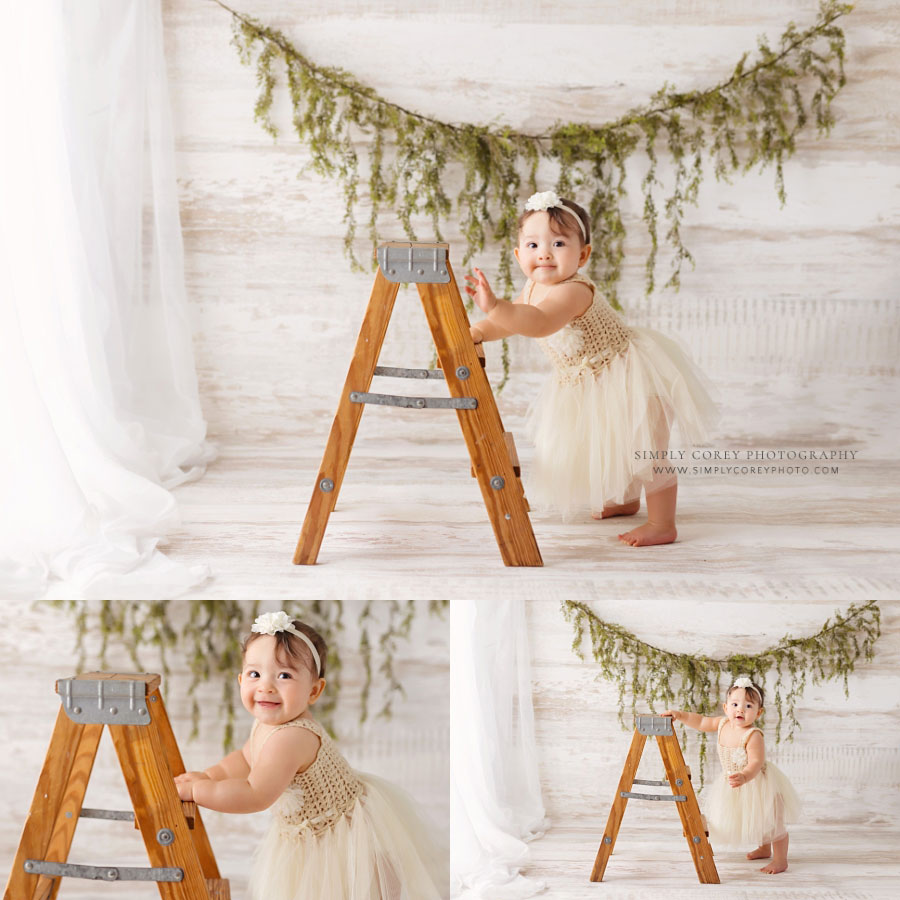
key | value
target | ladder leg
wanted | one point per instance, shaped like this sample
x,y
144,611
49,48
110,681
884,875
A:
x,y
70,810
346,421
481,427
176,764
142,755
691,821
46,806
616,813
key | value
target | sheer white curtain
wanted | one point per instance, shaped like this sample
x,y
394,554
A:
x,y
496,805
98,398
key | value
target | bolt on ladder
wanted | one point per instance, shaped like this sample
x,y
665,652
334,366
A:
x,y
682,794
494,462
131,706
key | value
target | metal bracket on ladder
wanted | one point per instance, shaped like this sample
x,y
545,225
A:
x,y
403,262
414,402
104,702
102,873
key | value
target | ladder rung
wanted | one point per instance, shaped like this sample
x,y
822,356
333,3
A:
x,y
414,402
101,873
678,798
643,781
127,815
124,815
394,372
218,888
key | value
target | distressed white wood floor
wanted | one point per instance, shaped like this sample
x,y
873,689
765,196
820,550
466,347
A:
x,y
825,862
409,508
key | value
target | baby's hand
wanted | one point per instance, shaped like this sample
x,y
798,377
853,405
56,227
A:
x,y
673,714
737,779
479,289
190,776
185,788
476,334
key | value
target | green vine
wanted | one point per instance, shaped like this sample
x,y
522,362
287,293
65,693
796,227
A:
x,y
661,678
751,118
207,635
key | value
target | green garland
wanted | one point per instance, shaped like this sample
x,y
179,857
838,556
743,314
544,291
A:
x,y
209,641
661,678
751,118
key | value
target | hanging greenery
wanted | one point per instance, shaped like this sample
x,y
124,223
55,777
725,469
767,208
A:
x,y
207,635
751,118
660,679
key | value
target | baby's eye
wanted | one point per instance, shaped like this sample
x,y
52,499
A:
x,y
559,243
531,245
253,674
285,675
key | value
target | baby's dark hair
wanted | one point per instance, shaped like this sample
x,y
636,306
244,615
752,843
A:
x,y
561,223
755,692
295,648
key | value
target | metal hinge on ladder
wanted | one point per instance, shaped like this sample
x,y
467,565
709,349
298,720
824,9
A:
x,y
404,262
103,701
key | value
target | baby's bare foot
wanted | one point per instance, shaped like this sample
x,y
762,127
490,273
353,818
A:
x,y
774,867
649,533
626,509
763,851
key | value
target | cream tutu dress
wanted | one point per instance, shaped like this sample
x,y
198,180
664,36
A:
x,y
603,417
754,813
337,834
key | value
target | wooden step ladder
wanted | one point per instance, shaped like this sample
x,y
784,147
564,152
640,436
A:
x,y
131,706
682,794
492,454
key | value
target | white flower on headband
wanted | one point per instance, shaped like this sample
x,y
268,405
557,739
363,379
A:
x,y
743,681
272,623
543,200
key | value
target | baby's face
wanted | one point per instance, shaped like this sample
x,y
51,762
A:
x,y
274,689
545,255
741,708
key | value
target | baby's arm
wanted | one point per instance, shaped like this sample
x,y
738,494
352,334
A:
x,y
562,304
756,757
285,753
234,765
486,330
694,720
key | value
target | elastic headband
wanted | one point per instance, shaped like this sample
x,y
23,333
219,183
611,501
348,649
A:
x,y
544,200
273,622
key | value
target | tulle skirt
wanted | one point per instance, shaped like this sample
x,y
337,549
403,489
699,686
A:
x,y
598,440
380,850
754,813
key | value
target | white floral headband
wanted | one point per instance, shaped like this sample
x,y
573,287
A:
x,y
743,681
273,622
544,200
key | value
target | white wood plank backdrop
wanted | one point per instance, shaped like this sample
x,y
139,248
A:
x,y
37,647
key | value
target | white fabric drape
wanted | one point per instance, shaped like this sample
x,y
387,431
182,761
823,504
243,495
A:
x,y
496,804
99,393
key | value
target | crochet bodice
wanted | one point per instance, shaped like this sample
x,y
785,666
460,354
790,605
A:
x,y
317,797
589,342
733,759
